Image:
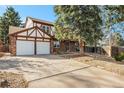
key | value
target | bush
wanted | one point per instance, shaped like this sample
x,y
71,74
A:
x,y
119,57
122,55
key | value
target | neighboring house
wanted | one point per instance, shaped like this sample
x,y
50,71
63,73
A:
x,y
37,37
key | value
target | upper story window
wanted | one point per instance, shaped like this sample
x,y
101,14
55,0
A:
x,y
47,28
43,27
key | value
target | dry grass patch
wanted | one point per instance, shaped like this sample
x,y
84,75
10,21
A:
x,y
106,65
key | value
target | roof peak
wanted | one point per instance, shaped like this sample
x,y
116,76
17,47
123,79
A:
x,y
40,20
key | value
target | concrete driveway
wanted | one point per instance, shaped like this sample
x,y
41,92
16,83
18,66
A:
x,y
56,71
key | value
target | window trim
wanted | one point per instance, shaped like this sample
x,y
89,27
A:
x,y
56,44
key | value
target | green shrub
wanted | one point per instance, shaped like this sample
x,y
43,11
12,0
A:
x,y
119,57
122,55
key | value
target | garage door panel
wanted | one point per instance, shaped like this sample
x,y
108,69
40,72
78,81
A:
x,y
24,47
28,48
43,47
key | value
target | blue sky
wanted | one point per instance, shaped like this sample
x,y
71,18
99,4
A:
x,y
45,12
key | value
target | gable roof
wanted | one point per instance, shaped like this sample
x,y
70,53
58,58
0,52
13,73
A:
x,y
40,21
18,30
14,29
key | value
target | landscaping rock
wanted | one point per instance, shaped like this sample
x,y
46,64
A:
x,y
12,80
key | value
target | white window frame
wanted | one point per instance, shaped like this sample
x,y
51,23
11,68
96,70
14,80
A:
x,y
56,44
47,28
44,27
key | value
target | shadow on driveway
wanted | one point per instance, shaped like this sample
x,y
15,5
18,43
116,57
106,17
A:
x,y
59,74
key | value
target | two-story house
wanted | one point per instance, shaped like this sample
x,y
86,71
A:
x,y
37,37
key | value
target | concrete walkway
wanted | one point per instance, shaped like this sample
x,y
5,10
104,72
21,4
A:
x,y
54,71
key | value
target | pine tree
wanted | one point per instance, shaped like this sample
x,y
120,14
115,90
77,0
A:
x,y
10,17
79,22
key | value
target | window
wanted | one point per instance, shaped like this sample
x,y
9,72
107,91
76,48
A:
x,y
48,28
57,44
43,28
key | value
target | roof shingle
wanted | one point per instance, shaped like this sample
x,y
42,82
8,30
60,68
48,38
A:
x,y
40,20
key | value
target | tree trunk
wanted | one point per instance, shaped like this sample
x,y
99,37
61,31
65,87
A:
x,y
81,45
69,47
110,44
95,47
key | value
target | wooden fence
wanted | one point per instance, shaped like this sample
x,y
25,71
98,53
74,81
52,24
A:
x,y
114,50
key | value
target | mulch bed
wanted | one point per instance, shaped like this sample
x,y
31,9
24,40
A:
x,y
12,80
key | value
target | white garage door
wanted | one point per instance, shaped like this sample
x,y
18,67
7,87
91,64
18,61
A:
x,y
24,47
43,47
